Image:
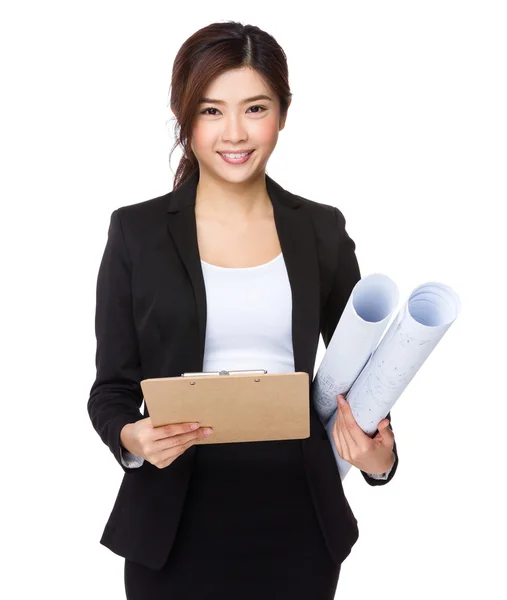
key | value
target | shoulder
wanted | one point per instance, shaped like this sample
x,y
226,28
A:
x,y
327,218
142,219
318,208
144,209
140,225
329,225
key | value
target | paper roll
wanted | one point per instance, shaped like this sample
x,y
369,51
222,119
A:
x,y
417,328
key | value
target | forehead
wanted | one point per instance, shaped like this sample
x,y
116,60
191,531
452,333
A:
x,y
237,85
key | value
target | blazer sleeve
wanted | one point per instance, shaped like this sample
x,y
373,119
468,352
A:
x,y
116,395
347,274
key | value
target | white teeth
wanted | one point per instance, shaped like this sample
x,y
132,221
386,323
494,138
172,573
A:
x,y
235,155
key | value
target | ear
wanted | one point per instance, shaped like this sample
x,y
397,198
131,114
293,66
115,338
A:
x,y
283,119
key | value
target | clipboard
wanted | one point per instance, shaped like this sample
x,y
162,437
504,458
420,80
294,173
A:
x,y
240,406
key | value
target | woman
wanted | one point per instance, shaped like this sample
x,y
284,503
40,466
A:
x,y
228,270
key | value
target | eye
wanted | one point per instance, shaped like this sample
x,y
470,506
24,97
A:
x,y
205,111
263,108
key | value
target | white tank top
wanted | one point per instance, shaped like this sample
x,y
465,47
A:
x,y
249,317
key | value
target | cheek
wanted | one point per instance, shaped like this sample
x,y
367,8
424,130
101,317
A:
x,y
266,133
202,138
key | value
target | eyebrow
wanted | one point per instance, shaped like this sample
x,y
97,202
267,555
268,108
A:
x,y
245,101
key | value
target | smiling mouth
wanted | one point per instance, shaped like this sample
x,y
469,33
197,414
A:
x,y
235,154
239,160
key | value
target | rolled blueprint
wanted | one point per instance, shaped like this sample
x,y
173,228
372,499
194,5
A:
x,y
416,330
364,319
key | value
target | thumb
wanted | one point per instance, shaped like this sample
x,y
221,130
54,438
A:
x,y
384,430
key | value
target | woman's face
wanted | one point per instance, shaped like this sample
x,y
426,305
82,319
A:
x,y
235,125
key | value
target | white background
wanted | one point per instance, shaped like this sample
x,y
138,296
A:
x,y
398,118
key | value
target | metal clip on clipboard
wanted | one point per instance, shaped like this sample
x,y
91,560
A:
x,y
224,372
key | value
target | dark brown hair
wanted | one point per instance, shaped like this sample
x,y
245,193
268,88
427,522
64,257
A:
x,y
209,52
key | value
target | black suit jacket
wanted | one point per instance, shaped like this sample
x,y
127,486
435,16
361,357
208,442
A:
x,y
151,322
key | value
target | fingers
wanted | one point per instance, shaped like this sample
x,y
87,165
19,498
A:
x,y
192,436
173,429
345,441
179,443
184,439
337,436
353,440
168,456
356,438
172,447
385,431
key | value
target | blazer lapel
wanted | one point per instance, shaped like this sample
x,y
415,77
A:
x,y
297,240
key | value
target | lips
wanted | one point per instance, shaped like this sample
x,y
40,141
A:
x,y
236,161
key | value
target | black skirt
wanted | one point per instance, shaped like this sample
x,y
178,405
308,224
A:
x,y
248,530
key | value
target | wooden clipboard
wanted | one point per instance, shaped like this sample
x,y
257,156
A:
x,y
240,406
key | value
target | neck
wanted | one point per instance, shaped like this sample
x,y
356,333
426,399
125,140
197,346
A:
x,y
243,200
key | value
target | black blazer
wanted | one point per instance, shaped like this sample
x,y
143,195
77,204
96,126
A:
x,y
151,321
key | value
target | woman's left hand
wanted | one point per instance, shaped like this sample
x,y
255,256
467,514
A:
x,y
372,455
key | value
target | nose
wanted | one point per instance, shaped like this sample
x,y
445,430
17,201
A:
x,y
234,130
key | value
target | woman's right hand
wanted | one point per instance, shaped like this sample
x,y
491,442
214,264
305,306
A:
x,y
162,445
